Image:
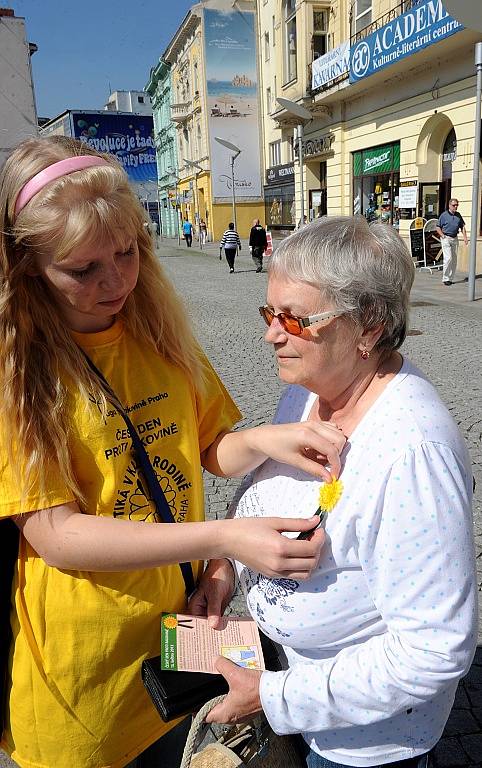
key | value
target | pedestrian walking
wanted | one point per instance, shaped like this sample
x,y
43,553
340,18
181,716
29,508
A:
x,y
203,232
449,225
258,243
231,242
96,349
187,232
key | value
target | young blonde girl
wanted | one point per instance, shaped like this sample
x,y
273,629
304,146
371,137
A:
x,y
90,328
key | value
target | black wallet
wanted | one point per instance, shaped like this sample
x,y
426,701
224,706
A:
x,y
180,693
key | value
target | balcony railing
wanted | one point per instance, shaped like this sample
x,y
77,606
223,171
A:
x,y
180,112
392,14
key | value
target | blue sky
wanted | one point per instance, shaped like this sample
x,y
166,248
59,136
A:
x,y
86,47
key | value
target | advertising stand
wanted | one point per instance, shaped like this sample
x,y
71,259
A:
x,y
417,242
432,247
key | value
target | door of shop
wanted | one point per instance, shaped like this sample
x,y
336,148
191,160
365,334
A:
x,y
433,199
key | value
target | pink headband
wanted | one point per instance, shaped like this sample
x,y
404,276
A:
x,y
55,171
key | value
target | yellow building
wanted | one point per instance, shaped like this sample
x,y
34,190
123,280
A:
x,y
200,161
390,87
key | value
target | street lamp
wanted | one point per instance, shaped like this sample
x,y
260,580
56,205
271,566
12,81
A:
x,y
236,151
304,114
197,170
468,13
172,172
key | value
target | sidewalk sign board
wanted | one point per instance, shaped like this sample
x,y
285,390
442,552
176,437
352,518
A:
x,y
432,247
416,241
269,248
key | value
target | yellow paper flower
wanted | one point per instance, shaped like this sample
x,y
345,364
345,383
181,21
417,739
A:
x,y
170,622
330,495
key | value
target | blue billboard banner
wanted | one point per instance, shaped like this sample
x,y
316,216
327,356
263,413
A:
x,y
426,23
128,137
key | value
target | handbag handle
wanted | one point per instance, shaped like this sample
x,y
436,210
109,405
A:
x,y
195,730
155,490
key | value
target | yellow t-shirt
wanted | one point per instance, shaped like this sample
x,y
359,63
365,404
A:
x,y
77,699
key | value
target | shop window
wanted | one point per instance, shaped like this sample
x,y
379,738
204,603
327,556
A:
x,y
280,207
266,46
361,15
376,179
320,40
290,40
275,153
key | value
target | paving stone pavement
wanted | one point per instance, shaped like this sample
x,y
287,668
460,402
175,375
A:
x,y
445,341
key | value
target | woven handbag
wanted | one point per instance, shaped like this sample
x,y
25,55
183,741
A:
x,y
252,744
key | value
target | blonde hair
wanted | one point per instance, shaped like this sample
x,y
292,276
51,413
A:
x,y
39,361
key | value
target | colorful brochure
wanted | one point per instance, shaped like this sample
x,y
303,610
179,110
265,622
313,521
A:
x,y
189,644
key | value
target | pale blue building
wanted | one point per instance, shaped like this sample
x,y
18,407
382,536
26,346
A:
x,y
159,89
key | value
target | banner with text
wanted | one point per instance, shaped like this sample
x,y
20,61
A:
x,y
329,67
128,137
425,24
230,56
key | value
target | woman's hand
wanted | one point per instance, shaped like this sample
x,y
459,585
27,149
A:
x,y
242,701
257,542
213,593
308,445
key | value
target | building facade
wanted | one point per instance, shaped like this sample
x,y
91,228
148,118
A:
x,y
137,102
390,87
159,90
18,113
213,81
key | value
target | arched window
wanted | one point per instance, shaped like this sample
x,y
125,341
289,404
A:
x,y
290,39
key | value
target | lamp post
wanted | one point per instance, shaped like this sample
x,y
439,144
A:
x,y
237,152
468,13
305,115
172,172
197,170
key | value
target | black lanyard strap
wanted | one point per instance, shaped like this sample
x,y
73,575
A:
x,y
156,493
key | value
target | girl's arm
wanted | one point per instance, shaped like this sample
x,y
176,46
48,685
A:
x,y
65,538
306,445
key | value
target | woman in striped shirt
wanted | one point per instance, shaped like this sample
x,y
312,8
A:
x,y
231,242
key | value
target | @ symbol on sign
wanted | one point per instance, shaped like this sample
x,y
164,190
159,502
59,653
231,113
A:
x,y
361,59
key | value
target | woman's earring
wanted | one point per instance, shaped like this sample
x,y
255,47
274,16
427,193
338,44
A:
x,y
365,354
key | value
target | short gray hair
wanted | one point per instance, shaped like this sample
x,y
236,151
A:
x,y
364,270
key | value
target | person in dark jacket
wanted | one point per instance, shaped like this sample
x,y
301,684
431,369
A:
x,y
231,242
257,244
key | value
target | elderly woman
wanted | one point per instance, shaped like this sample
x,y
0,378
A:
x,y
378,638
